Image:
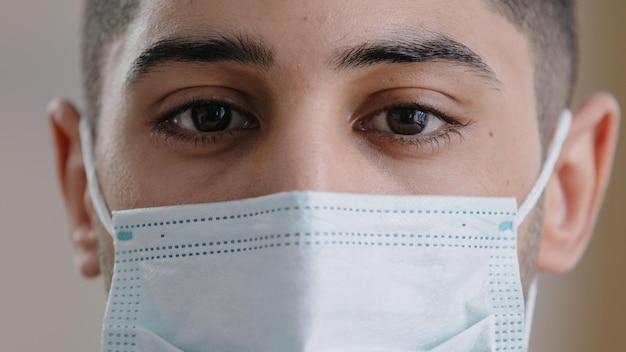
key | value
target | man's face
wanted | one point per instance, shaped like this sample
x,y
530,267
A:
x,y
239,98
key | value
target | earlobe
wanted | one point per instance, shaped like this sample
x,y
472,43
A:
x,y
574,194
64,119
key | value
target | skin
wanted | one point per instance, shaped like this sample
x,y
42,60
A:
x,y
309,119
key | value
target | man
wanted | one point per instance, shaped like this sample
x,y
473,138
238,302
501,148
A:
x,y
203,102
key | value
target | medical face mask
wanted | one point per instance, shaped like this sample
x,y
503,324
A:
x,y
311,271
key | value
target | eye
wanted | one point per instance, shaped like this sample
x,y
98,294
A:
x,y
406,121
208,117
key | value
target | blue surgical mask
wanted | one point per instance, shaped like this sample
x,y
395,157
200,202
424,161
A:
x,y
314,271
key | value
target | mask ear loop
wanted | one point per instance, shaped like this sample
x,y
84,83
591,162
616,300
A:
x,y
93,185
530,309
562,131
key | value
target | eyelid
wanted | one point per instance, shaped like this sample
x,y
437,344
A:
x,y
412,146
412,105
170,114
195,141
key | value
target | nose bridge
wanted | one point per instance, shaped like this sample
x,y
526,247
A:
x,y
307,147
304,154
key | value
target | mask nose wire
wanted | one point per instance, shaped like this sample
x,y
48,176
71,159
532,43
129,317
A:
x,y
560,135
93,185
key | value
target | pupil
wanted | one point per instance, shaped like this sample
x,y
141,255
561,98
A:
x,y
407,121
211,118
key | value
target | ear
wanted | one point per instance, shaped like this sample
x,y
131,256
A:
x,y
64,120
575,192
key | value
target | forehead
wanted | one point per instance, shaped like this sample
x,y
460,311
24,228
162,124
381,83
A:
x,y
325,16
303,36
310,29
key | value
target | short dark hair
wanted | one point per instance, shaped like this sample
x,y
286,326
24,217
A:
x,y
549,25
103,22
551,28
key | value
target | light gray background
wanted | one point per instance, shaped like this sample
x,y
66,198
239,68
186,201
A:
x,y
46,306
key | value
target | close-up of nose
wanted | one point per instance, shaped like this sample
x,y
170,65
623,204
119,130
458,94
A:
x,y
298,156
310,159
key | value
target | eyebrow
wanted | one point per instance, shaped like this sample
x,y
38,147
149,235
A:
x,y
406,49
254,52
240,49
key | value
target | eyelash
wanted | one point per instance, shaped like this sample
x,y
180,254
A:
x,y
159,124
434,141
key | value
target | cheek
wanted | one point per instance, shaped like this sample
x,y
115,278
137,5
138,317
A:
x,y
512,154
124,176
106,254
529,238
120,183
497,157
